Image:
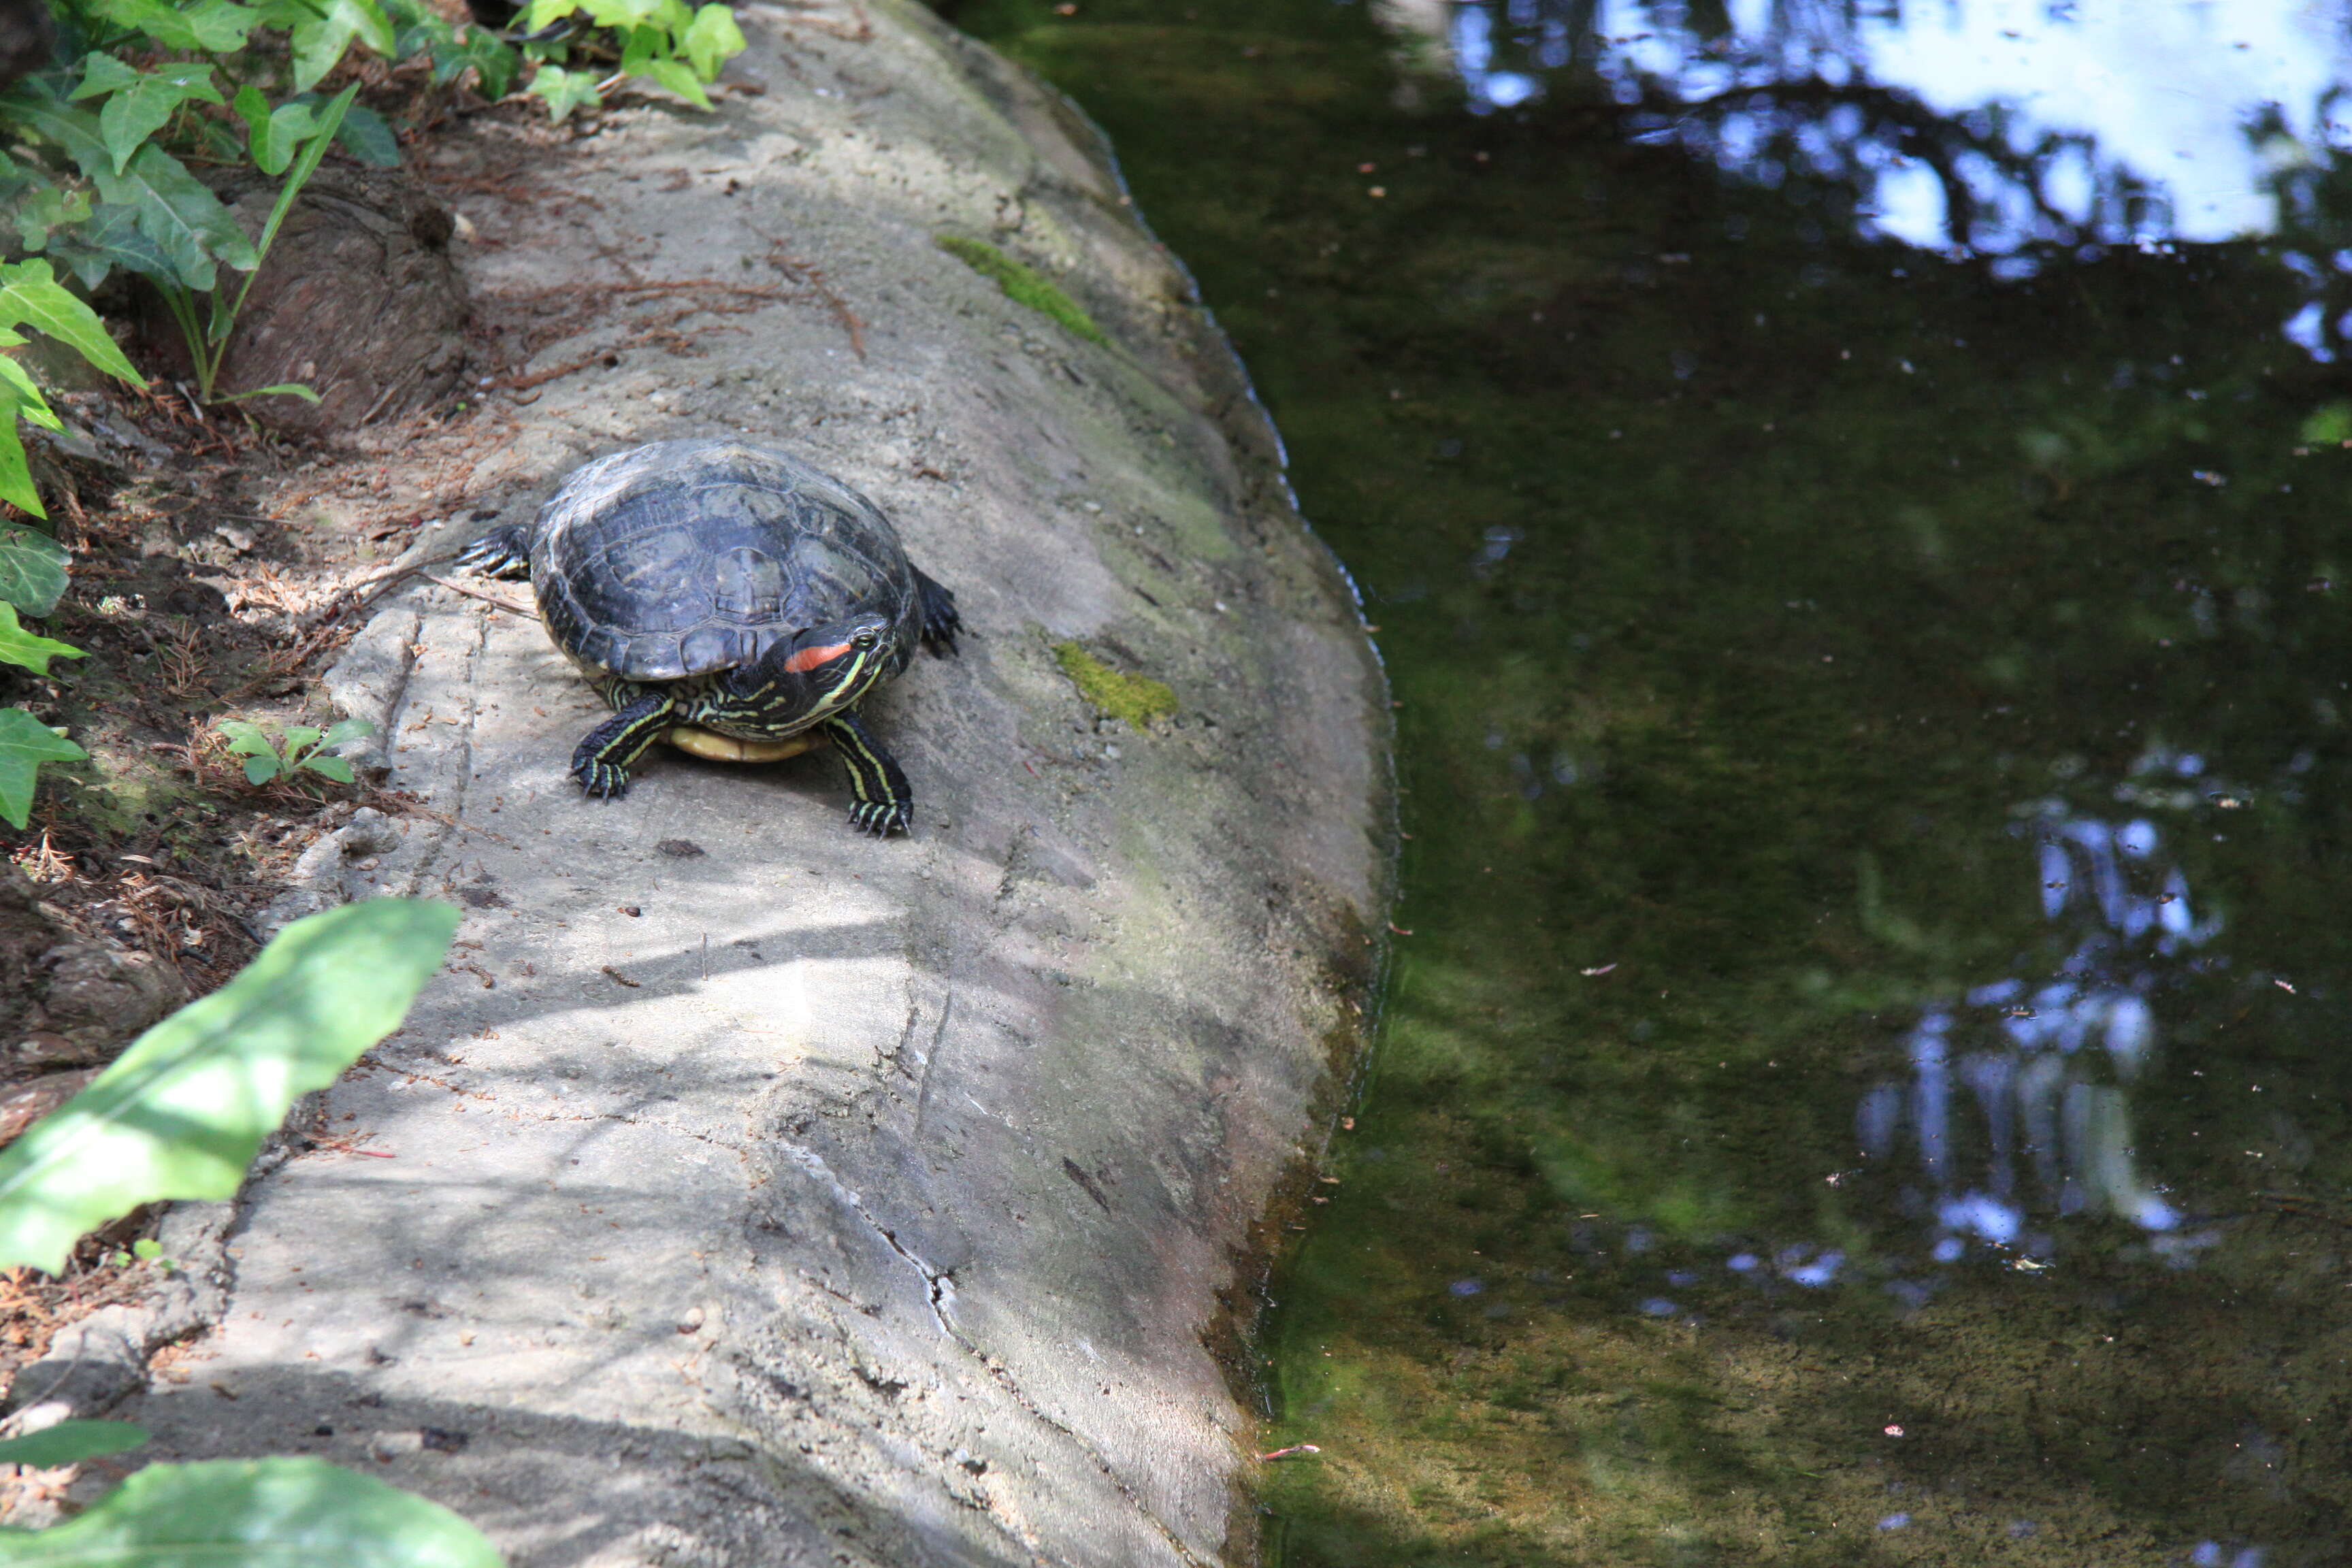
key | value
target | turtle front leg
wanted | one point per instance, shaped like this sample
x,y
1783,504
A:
x,y
886,802
601,762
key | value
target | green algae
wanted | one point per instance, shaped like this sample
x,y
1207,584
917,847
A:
x,y
1023,285
1137,699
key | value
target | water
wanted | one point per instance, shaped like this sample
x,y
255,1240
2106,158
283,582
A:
x,y
1865,1078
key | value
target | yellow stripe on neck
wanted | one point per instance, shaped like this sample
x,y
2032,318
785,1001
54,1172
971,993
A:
x,y
721,748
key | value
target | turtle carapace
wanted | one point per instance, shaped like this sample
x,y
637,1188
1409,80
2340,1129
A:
x,y
717,589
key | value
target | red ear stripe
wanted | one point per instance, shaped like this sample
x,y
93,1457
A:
x,y
808,659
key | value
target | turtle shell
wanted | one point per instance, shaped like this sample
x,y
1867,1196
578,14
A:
x,y
683,558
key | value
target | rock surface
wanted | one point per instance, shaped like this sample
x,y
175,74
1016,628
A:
x,y
747,1192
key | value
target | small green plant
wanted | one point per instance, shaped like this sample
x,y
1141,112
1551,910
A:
x,y
1022,284
181,1115
301,748
146,1249
673,45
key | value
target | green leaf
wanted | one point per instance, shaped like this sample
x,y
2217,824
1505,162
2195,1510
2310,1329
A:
x,y
71,1442
261,770
213,27
335,768
301,737
34,107
181,1113
347,729
111,239
321,37
183,218
255,1513
21,394
146,105
565,90
366,136
30,650
101,73
712,39
246,740
31,296
677,76
25,744
281,389
328,120
273,134
543,14
147,1249
32,569
493,61
16,487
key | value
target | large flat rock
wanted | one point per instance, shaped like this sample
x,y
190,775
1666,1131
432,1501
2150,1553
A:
x,y
757,1192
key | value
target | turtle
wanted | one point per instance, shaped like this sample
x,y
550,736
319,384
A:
x,y
731,599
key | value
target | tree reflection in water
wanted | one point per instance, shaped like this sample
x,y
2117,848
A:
x,y
2021,1078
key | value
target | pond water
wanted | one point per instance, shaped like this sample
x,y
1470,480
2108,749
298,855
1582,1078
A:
x,y
1854,501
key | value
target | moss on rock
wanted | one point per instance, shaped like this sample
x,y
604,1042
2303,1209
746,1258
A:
x,y
1022,284
1138,698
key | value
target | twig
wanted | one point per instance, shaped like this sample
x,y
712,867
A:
x,y
509,605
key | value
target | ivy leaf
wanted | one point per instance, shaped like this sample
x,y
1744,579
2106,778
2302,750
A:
x,y
25,744
145,107
544,13
31,569
322,36
111,239
677,76
273,134
183,218
70,1442
565,90
366,136
101,73
262,1514
30,650
712,39
212,27
181,1113
494,62
34,107
31,296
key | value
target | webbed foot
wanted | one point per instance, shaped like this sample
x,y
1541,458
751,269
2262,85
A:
x,y
941,622
501,552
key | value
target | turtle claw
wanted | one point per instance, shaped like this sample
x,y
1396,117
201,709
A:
x,y
602,780
882,817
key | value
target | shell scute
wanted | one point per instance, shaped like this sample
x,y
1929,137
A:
x,y
685,557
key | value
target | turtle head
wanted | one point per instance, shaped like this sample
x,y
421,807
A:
x,y
805,679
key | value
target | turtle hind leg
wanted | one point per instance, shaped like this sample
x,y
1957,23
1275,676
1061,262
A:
x,y
501,552
940,621
885,801
601,760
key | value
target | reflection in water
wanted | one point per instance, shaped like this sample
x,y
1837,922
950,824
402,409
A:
x,y
1732,571
2005,1078
1985,124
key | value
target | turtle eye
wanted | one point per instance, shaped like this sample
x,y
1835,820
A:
x,y
862,640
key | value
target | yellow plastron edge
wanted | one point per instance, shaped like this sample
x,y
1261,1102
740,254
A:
x,y
728,749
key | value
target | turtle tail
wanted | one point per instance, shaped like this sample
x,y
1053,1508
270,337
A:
x,y
501,552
